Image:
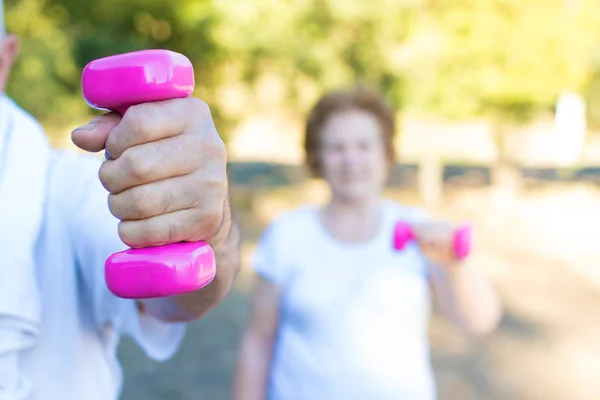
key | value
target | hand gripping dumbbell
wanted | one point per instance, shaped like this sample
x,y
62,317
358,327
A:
x,y
114,84
403,234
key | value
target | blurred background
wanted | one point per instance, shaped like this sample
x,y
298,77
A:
x,y
499,112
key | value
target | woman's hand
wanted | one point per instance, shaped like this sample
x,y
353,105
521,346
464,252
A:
x,y
463,292
436,240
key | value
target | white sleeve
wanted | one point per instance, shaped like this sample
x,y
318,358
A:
x,y
272,254
95,237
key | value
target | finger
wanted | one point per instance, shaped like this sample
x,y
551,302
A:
x,y
148,122
421,230
442,237
167,196
436,248
446,241
92,137
179,226
440,233
171,157
428,246
424,236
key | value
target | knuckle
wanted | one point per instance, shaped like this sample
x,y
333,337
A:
x,y
214,147
135,117
216,178
112,144
194,218
106,176
152,203
127,235
138,121
136,165
199,106
210,193
141,205
115,206
213,219
216,184
202,117
197,228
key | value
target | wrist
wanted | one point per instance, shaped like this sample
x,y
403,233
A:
x,y
450,269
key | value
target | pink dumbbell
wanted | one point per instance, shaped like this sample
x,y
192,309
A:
x,y
403,233
116,83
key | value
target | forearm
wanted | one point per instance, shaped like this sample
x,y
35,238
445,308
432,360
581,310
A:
x,y
252,372
467,298
226,247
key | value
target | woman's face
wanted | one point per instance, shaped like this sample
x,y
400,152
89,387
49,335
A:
x,y
353,156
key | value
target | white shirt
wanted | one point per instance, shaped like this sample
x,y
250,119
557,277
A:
x,y
74,358
353,317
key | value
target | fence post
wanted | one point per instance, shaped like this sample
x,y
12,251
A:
x,y
431,180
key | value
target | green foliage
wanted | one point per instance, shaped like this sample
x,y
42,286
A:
x,y
459,59
45,77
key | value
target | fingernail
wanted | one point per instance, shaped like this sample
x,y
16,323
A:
x,y
89,126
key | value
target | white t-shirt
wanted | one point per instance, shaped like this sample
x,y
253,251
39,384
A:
x,y
353,317
74,358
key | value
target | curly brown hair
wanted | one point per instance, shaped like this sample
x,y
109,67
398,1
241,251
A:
x,y
356,98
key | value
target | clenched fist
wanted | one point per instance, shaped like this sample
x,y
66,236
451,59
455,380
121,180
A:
x,y
166,171
436,240
166,175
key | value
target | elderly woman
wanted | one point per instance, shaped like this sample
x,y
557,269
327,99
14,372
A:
x,y
338,313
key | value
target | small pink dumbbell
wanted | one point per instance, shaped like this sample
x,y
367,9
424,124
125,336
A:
x,y
116,83
403,233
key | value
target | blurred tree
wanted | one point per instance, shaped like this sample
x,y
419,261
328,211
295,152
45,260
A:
x,y
45,77
313,45
506,60
507,55
592,92
503,59
60,37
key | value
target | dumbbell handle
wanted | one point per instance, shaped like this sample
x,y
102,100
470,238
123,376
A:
x,y
403,233
114,84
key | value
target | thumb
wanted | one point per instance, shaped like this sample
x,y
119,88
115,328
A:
x,y
92,137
